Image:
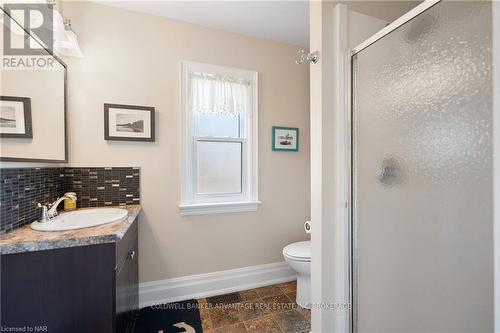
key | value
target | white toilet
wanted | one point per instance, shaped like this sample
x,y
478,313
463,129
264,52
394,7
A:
x,y
298,256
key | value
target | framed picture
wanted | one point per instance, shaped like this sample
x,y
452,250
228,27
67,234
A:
x,y
15,117
129,122
285,138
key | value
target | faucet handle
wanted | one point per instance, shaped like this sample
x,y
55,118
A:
x,y
47,205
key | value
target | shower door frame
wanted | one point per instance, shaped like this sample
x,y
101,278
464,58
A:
x,y
347,107
496,159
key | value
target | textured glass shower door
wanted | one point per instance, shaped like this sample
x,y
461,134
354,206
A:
x,y
422,207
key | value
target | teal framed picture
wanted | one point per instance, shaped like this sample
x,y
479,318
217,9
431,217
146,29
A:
x,y
285,138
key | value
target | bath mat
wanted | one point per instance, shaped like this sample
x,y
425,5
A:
x,y
170,318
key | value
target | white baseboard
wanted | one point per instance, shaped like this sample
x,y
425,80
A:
x,y
212,284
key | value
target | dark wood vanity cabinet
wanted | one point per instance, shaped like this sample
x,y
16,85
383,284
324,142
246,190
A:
x,y
92,288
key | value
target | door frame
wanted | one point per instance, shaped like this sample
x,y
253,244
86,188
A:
x,y
330,160
331,279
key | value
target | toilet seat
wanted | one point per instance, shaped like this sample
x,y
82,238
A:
x,y
300,251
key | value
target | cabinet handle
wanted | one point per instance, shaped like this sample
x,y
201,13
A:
x,y
131,255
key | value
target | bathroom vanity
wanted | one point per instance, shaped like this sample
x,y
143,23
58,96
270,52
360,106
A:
x,y
82,280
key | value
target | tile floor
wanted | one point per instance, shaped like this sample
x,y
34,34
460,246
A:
x,y
269,309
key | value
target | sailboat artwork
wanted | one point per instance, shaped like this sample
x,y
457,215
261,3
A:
x,y
285,138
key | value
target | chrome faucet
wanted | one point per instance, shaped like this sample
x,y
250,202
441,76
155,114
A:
x,y
50,211
44,216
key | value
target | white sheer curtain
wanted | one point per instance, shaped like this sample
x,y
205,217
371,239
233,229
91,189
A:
x,y
217,94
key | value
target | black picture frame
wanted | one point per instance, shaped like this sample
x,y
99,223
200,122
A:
x,y
150,109
28,126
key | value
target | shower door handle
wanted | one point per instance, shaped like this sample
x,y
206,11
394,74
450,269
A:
x,y
390,172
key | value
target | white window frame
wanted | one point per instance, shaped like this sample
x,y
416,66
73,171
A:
x,y
193,203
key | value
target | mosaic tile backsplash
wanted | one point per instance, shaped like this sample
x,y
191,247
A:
x,y
21,189
98,187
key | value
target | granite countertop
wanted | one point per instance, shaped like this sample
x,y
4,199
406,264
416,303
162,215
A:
x,y
25,239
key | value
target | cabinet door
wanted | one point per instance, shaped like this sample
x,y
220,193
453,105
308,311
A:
x,y
67,290
123,285
127,296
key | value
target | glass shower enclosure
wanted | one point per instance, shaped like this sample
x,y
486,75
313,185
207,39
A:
x,y
422,177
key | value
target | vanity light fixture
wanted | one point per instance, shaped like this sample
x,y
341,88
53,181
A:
x,y
65,40
68,44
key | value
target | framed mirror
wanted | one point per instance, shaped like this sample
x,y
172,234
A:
x,y
33,107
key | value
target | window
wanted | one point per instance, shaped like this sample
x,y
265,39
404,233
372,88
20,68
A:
x,y
219,140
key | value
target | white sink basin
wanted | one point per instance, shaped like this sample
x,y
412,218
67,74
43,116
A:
x,y
80,219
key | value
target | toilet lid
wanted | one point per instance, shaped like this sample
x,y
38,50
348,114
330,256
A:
x,y
300,250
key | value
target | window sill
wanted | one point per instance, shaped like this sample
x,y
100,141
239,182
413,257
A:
x,y
219,208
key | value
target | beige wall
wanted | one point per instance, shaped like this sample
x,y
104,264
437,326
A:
x,y
133,58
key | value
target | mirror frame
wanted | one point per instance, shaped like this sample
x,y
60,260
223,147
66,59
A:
x,y
65,113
